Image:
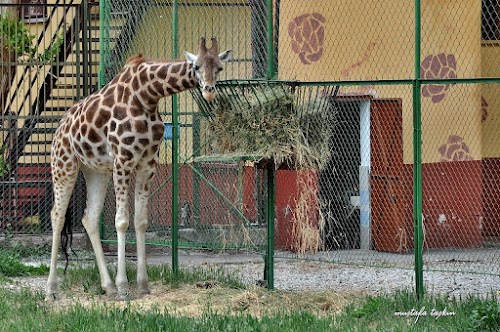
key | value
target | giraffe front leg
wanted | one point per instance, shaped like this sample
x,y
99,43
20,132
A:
x,y
142,188
121,181
96,194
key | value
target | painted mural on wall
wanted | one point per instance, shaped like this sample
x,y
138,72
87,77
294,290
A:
x,y
437,66
455,150
346,72
307,32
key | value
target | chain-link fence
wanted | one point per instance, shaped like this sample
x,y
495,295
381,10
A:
x,y
379,117
48,62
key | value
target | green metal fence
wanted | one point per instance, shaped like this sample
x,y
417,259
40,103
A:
x,y
347,132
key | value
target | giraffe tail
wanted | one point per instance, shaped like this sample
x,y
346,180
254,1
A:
x,y
67,238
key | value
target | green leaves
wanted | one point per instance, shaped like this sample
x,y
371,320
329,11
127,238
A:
x,y
17,37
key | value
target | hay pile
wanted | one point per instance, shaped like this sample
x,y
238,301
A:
x,y
271,122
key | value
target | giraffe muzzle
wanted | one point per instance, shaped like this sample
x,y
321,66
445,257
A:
x,y
209,93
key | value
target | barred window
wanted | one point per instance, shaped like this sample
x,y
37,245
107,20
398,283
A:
x,y
35,13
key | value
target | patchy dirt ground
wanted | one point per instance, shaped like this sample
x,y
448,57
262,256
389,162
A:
x,y
313,285
193,300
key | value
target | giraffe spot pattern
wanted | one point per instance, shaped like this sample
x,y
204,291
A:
x,y
89,114
157,130
143,76
163,72
108,100
141,126
136,111
83,129
128,140
119,113
101,149
93,136
183,71
124,127
102,118
126,153
126,95
114,140
172,81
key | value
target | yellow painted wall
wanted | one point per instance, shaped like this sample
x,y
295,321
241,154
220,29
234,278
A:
x,y
374,40
231,26
491,102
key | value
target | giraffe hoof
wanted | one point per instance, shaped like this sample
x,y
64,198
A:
x,y
144,291
109,291
122,296
51,297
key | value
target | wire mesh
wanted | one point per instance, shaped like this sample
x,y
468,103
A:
x,y
357,57
46,65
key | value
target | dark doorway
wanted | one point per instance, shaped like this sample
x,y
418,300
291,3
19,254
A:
x,y
339,180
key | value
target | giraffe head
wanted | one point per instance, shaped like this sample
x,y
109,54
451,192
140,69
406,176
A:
x,y
206,66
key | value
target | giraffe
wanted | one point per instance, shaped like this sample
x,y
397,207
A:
x,y
116,132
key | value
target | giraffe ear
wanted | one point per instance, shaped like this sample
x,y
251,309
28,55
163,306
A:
x,y
226,56
190,57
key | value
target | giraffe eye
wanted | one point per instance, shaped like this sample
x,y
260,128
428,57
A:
x,y
196,67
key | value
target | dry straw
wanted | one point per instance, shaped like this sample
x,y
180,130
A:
x,y
291,127
307,219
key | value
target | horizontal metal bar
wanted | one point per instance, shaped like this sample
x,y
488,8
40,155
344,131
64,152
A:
x,y
484,80
354,83
40,5
186,244
203,4
314,83
26,184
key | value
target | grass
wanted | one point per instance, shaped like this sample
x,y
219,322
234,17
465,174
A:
x,y
24,311
10,265
88,277
212,299
404,312
27,311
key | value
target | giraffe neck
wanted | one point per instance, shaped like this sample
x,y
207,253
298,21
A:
x,y
154,80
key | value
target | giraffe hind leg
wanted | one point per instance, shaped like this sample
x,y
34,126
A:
x,y
63,184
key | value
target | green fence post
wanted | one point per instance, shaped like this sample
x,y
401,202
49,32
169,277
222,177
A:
x,y
85,47
175,148
77,53
417,159
104,10
270,41
269,259
196,179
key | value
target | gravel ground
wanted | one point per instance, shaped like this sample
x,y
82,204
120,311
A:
x,y
370,280
292,274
